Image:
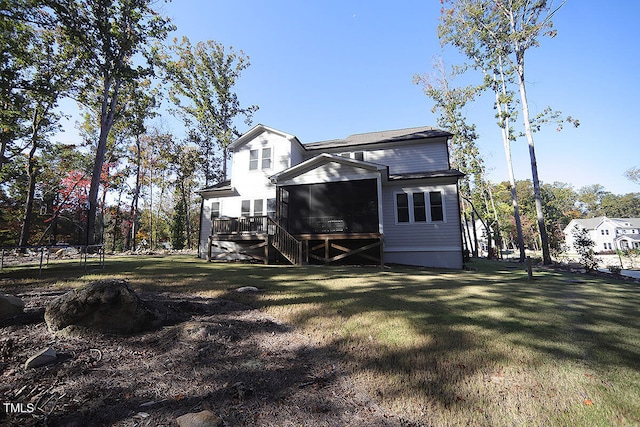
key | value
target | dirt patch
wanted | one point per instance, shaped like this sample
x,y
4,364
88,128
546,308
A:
x,y
213,354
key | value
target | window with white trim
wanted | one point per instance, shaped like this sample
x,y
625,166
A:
x,y
215,210
245,208
416,207
257,207
262,158
437,207
266,158
402,207
253,159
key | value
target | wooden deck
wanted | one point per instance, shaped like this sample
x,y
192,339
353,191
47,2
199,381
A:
x,y
261,238
332,247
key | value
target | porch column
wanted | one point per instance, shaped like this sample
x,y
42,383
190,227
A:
x,y
380,220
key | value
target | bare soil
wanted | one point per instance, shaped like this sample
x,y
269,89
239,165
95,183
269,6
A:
x,y
211,353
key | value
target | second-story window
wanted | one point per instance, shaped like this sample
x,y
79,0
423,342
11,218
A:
x,y
260,159
266,158
253,159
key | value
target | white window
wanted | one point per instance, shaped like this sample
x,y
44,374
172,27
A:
x,y
257,207
266,158
215,210
253,160
415,207
260,159
245,209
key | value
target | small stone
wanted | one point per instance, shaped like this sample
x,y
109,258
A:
x,y
247,289
44,357
10,306
199,419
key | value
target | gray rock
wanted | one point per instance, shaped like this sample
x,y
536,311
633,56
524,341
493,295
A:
x,y
247,290
107,306
10,306
199,419
44,357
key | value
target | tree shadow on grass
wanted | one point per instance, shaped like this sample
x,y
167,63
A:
x,y
466,330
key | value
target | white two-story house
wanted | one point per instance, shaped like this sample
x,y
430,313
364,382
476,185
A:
x,y
608,234
380,197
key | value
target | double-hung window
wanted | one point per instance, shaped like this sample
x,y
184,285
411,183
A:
x,y
402,207
260,158
266,158
215,210
257,207
253,160
245,208
437,209
418,206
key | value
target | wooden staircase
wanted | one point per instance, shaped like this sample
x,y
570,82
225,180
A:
x,y
287,245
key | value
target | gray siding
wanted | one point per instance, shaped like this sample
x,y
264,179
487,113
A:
x,y
424,157
433,242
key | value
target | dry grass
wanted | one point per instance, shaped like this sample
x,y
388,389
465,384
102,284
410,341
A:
x,y
484,347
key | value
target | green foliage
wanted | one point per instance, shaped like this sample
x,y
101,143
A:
x,y
631,255
583,244
178,225
202,78
614,269
633,174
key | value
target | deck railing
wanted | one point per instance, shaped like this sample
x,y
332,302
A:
x,y
250,224
285,243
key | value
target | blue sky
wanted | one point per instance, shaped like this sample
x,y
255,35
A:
x,y
325,70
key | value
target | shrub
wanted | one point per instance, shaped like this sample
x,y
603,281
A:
x,y
614,269
583,245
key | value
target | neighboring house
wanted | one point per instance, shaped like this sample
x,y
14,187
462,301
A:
x,y
382,197
609,234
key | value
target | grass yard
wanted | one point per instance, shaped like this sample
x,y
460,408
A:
x,y
482,347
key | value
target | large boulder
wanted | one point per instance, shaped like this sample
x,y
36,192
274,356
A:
x,y
10,306
107,306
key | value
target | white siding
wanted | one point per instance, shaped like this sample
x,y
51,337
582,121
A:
x,y
331,172
255,184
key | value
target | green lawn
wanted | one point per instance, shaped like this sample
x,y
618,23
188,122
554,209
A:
x,y
482,347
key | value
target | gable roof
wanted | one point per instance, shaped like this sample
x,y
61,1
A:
x,y
320,160
256,131
387,136
593,223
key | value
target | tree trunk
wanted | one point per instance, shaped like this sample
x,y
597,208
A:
x,y
512,179
32,172
107,115
546,256
28,211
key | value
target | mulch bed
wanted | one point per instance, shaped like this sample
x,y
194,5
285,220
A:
x,y
213,354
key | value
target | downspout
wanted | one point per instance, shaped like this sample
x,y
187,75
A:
x,y
460,219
